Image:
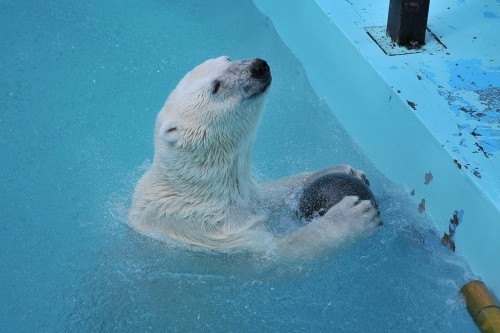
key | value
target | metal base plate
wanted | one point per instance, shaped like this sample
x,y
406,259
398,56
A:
x,y
379,36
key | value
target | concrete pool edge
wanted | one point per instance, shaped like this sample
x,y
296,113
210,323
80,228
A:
x,y
382,112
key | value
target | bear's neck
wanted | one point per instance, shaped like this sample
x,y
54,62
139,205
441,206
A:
x,y
221,174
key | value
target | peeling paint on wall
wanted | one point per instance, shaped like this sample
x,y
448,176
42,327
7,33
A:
x,y
428,178
475,98
448,239
421,206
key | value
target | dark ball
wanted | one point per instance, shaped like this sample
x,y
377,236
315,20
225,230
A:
x,y
328,190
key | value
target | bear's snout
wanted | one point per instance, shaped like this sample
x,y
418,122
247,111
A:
x,y
260,70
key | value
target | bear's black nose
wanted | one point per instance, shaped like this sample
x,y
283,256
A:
x,y
260,70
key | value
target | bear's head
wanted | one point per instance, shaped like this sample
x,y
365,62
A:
x,y
205,131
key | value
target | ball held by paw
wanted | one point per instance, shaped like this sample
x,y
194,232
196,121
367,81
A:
x,y
328,190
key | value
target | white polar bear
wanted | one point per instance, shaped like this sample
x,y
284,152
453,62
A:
x,y
199,189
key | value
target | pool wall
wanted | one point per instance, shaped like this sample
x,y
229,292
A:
x,y
399,111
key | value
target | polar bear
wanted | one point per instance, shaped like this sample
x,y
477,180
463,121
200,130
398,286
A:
x,y
199,189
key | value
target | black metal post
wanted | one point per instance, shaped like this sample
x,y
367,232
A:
x,y
407,22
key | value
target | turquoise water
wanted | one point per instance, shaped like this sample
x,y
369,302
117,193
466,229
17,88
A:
x,y
80,87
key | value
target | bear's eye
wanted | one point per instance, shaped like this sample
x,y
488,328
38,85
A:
x,y
216,86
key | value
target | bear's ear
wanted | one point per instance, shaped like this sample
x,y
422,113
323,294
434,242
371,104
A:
x,y
169,132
